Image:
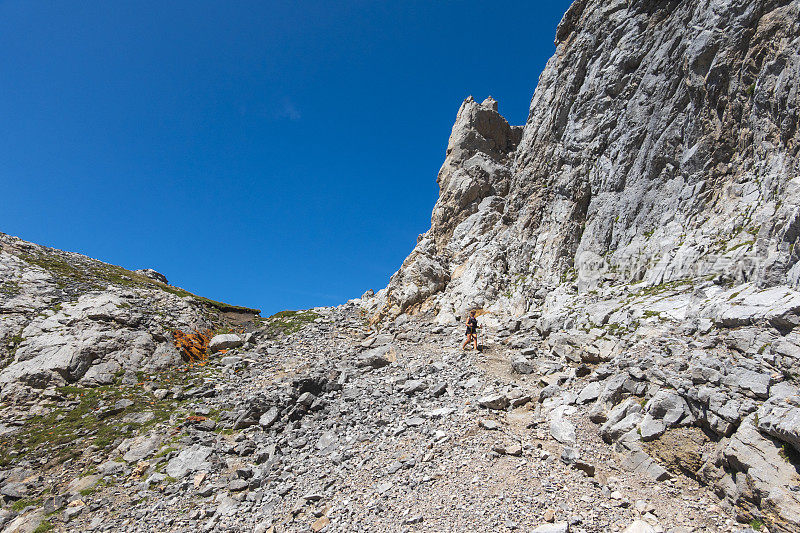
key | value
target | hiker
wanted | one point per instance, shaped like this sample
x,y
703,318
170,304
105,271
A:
x,y
472,331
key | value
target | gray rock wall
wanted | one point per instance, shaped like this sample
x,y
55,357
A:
x,y
661,144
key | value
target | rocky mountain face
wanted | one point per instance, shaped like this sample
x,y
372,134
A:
x,y
661,145
68,319
631,254
644,219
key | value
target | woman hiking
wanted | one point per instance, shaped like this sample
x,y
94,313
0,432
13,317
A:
x,y
472,331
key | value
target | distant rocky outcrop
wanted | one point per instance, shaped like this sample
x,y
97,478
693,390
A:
x,y
67,318
152,274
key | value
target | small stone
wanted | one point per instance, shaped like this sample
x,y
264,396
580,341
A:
x,y
413,386
639,526
160,394
558,527
521,365
72,511
438,389
394,467
585,467
414,519
320,523
270,417
238,485
569,455
415,421
489,424
514,449
494,401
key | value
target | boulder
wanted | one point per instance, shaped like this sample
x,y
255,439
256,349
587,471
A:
x,y
562,430
622,419
752,475
226,341
521,365
139,448
650,428
377,357
189,460
781,422
589,393
270,417
494,401
670,407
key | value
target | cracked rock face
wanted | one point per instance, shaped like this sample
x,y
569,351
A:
x,y
661,144
643,229
68,319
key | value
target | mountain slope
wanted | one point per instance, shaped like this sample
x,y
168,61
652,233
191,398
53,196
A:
x,y
67,318
631,252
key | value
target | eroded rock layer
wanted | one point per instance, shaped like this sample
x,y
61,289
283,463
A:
x,y
661,144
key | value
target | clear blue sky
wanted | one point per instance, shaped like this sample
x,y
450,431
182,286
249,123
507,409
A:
x,y
279,155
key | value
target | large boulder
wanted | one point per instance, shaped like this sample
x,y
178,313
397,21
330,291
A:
x,y
622,419
189,460
781,422
670,407
225,341
152,274
378,357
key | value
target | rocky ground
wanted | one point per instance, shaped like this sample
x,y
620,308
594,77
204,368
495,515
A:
x,y
632,250
337,428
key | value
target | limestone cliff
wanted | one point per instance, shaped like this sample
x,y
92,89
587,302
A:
x,y
643,232
661,145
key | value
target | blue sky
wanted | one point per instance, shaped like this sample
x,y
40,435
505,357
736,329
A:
x,y
278,155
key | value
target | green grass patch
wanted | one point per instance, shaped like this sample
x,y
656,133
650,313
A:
x,y
661,288
164,452
745,243
19,505
10,288
79,420
44,526
288,322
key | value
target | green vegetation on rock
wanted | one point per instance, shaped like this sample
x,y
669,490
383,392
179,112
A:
x,y
9,288
86,416
88,274
288,322
44,526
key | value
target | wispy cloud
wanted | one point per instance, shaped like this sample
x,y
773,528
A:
x,y
288,110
